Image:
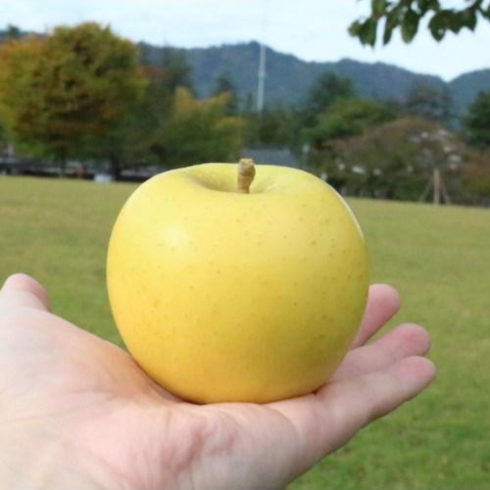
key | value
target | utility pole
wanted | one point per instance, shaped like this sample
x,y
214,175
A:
x,y
262,62
261,80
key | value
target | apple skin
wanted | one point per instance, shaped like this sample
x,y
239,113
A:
x,y
229,297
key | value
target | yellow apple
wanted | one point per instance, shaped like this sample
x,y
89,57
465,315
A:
x,y
225,295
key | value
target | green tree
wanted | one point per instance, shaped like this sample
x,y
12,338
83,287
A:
x,y
224,85
13,32
325,91
406,15
475,178
63,95
200,131
347,117
129,141
477,123
166,70
274,126
430,102
248,104
3,139
176,70
142,128
394,160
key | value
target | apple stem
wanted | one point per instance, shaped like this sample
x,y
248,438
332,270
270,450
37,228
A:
x,y
246,174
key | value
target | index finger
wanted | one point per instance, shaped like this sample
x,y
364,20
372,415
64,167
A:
x,y
383,303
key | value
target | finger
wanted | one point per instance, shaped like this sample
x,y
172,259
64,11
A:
x,y
404,341
339,410
353,404
21,291
383,303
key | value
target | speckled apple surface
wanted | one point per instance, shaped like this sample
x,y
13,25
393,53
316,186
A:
x,y
222,296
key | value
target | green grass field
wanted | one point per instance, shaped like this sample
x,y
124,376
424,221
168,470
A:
x,y
438,258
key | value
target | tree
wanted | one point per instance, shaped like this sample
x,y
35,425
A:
x,y
63,95
347,117
431,103
394,160
407,14
19,104
199,131
13,32
477,123
224,85
141,132
176,70
166,70
475,178
324,92
274,126
3,139
128,143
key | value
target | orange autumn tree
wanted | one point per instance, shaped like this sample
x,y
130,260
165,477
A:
x,y
63,94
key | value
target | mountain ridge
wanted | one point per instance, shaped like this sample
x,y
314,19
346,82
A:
x,y
289,77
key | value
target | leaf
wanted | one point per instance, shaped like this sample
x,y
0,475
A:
x,y
410,25
453,21
365,31
391,23
378,8
425,5
368,32
355,28
469,19
437,26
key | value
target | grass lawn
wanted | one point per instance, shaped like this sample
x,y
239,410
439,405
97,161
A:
x,y
438,258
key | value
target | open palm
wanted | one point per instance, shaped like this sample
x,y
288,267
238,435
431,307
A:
x,y
78,412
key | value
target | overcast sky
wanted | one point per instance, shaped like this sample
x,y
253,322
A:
x,y
310,29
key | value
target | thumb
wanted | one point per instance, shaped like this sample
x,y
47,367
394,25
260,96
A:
x,y
22,291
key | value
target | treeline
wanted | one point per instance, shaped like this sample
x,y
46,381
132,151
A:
x,y
82,93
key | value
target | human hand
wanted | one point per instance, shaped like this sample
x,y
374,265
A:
x,y
77,412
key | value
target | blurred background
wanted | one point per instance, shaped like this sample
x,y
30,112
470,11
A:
x,y
386,100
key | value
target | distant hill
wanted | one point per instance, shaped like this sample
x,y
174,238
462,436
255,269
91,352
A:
x,y
4,34
466,87
289,78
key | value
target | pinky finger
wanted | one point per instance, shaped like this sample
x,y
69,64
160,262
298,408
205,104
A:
x,y
355,403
